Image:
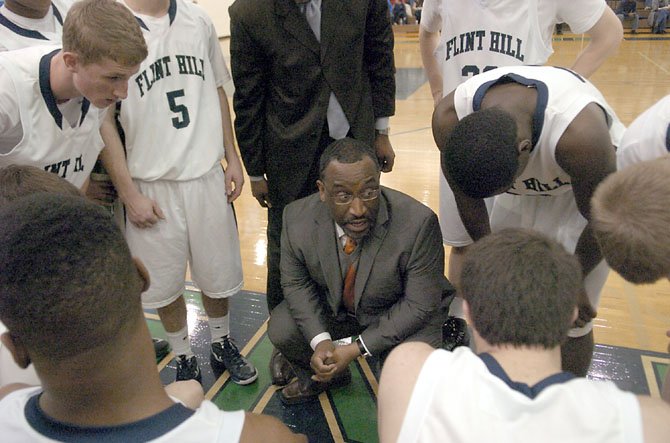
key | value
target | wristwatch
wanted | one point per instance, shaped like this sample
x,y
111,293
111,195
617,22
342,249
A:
x,y
384,131
361,348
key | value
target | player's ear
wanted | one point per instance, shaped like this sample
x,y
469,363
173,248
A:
x,y
524,146
466,312
16,348
142,271
71,61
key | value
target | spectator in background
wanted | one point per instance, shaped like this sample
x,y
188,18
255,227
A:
x,y
627,9
399,13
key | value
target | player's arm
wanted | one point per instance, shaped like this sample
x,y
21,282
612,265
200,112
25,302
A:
x,y
267,429
142,211
606,36
234,175
429,39
399,376
655,419
586,153
472,211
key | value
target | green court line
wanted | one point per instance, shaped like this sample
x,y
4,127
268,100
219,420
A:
x,y
661,369
232,396
356,410
156,329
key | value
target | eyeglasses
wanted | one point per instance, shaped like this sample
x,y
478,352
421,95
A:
x,y
345,198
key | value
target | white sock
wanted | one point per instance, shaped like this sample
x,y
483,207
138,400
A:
x,y
456,308
219,327
179,342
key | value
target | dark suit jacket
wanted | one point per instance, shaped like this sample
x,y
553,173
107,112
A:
x,y
400,278
283,78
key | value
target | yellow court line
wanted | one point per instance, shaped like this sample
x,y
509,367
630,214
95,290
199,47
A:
x,y
245,352
149,316
370,377
647,363
330,418
265,399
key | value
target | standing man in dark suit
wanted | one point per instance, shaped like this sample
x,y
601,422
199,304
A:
x,y
357,259
306,72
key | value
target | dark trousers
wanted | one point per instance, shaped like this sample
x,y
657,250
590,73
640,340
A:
x,y
274,291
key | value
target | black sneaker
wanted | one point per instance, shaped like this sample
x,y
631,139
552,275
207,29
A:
x,y
187,368
225,355
454,333
161,348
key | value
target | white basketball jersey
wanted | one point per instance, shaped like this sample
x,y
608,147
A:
x,y
21,420
49,141
172,116
462,397
561,95
479,35
648,137
18,32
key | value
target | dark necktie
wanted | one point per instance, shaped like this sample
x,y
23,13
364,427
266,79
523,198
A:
x,y
350,277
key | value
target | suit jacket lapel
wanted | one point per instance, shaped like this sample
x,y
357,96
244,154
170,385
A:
x,y
371,248
296,25
326,246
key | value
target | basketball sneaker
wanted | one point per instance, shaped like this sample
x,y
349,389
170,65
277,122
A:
x,y
225,355
188,369
455,333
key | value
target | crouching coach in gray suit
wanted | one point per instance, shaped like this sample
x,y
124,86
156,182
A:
x,y
356,259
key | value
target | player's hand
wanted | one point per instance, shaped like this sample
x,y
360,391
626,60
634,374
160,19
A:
x,y
101,191
585,313
234,180
143,212
384,152
259,189
321,363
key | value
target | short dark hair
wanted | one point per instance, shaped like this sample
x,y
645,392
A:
x,y
521,288
20,180
480,155
67,281
346,150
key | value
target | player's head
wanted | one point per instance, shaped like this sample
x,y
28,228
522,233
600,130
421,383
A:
x,y
29,8
521,289
482,154
102,47
630,213
349,185
68,285
19,180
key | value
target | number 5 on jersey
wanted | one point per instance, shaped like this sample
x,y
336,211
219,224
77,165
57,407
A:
x,y
182,119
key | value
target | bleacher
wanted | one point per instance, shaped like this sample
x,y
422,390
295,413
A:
x,y
412,28
645,27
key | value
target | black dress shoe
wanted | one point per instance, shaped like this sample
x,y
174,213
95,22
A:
x,y
301,391
455,333
281,370
161,348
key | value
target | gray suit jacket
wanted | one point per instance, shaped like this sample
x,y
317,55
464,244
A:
x,y
400,279
283,78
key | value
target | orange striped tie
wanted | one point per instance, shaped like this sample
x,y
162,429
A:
x,y
350,277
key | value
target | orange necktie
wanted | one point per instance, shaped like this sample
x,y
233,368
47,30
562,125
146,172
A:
x,y
350,277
